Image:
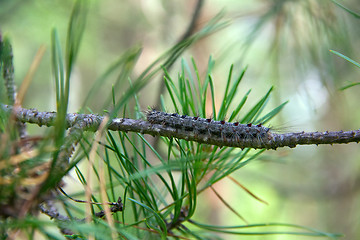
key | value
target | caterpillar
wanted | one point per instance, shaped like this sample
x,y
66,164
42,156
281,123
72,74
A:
x,y
207,128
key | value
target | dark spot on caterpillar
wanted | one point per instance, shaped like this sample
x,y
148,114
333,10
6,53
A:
x,y
259,125
201,129
187,124
167,124
183,116
241,135
249,124
189,128
208,120
215,130
222,122
216,133
228,135
236,123
196,118
177,125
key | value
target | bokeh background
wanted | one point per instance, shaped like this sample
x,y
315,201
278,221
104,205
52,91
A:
x,y
284,43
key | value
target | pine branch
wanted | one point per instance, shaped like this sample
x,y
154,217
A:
x,y
91,122
52,211
49,209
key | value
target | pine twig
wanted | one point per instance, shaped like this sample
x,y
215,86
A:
x,y
91,122
53,213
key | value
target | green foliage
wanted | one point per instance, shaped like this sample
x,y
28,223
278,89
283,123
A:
x,y
351,61
158,183
7,71
163,191
62,74
356,15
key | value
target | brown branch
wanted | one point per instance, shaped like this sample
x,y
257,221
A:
x,y
53,213
91,122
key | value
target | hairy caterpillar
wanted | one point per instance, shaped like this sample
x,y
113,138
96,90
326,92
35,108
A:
x,y
208,128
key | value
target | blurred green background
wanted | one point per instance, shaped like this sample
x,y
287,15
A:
x,y
284,44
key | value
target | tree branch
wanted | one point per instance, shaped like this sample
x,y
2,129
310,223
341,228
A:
x,y
53,213
91,122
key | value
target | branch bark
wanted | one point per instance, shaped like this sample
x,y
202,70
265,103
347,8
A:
x,y
91,122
